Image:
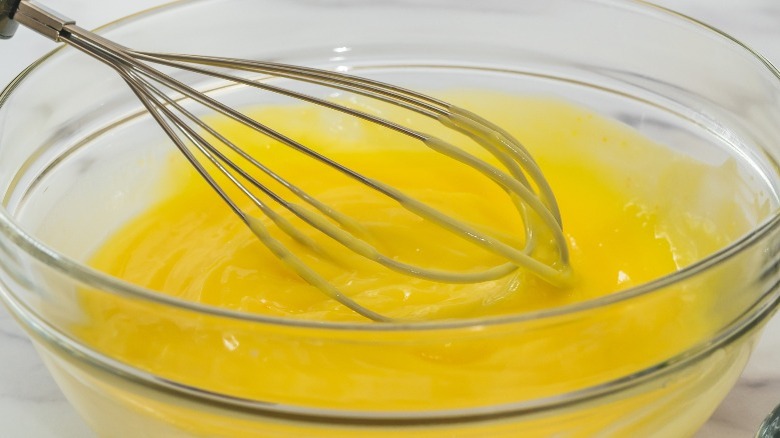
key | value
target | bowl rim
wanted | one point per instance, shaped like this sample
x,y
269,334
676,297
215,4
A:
x,y
110,284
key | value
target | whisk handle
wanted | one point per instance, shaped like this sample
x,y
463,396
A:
x,y
30,14
7,25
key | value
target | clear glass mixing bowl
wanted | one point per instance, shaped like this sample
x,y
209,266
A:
x,y
78,158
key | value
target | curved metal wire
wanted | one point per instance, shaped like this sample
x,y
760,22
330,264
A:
x,y
522,179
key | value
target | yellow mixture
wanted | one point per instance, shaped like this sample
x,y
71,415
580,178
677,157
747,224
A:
x,y
626,224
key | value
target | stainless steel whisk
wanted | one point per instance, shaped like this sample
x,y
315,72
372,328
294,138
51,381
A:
x,y
520,177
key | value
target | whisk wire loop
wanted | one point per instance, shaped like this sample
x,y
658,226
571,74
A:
x,y
163,96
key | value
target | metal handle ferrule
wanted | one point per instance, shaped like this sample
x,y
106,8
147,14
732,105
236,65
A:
x,y
41,19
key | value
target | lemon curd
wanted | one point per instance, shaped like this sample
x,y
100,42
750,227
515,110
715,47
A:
x,y
630,212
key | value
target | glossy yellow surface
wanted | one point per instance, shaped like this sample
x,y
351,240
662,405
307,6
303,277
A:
x,y
192,246
623,228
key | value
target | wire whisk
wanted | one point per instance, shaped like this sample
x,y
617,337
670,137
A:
x,y
206,148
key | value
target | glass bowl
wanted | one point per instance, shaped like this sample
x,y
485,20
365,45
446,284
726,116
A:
x,y
78,158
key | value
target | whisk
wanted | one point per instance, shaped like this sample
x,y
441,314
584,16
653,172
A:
x,y
203,146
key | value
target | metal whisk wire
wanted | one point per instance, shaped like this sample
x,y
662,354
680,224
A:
x,y
522,179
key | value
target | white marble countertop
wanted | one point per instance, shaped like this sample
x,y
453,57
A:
x,y
31,405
